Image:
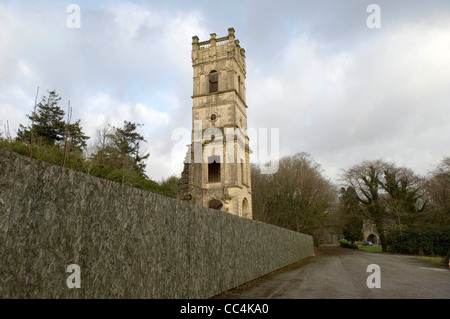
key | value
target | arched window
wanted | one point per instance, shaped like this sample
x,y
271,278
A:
x,y
213,81
245,208
243,173
214,169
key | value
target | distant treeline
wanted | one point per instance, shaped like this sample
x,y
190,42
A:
x,y
411,212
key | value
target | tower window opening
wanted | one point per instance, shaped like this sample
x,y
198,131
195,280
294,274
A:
x,y
213,82
245,208
239,84
214,169
243,179
215,204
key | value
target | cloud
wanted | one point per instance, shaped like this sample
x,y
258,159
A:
x,y
103,108
127,62
335,88
385,97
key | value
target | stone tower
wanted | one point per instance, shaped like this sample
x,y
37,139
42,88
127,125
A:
x,y
217,168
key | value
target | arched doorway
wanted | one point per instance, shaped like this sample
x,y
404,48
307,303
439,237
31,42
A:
x,y
215,204
245,208
372,238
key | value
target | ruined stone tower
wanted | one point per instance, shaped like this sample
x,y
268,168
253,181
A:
x,y
217,169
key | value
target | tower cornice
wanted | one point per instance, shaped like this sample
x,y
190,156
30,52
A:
x,y
218,93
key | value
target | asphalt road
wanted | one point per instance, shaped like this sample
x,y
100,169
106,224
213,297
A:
x,y
341,273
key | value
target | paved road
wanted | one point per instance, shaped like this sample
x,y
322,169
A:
x,y
341,273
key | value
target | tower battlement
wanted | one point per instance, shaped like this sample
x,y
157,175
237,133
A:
x,y
217,48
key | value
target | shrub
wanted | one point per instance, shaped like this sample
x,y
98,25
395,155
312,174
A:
x,y
424,240
346,244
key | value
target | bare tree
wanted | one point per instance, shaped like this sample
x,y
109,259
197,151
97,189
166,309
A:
x,y
32,123
439,191
297,197
387,193
405,195
103,139
66,134
365,178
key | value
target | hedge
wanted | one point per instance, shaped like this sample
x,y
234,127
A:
x,y
346,244
426,240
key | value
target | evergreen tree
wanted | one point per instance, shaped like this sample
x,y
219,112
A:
x,y
76,136
47,122
128,143
351,213
48,127
119,157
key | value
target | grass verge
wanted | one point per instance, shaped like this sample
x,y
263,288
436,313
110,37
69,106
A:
x,y
372,249
436,260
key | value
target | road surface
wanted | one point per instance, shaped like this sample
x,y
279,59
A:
x,y
337,272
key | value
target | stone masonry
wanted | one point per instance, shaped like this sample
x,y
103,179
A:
x,y
217,169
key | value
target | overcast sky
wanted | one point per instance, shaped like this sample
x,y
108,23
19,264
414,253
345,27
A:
x,y
334,87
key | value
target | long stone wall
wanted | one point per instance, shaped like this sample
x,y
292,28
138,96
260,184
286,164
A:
x,y
128,243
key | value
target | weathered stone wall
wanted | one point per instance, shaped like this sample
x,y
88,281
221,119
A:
x,y
128,243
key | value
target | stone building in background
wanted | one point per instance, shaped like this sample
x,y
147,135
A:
x,y
370,232
217,169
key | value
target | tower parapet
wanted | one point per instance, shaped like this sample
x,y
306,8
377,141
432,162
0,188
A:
x,y
224,57
218,48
